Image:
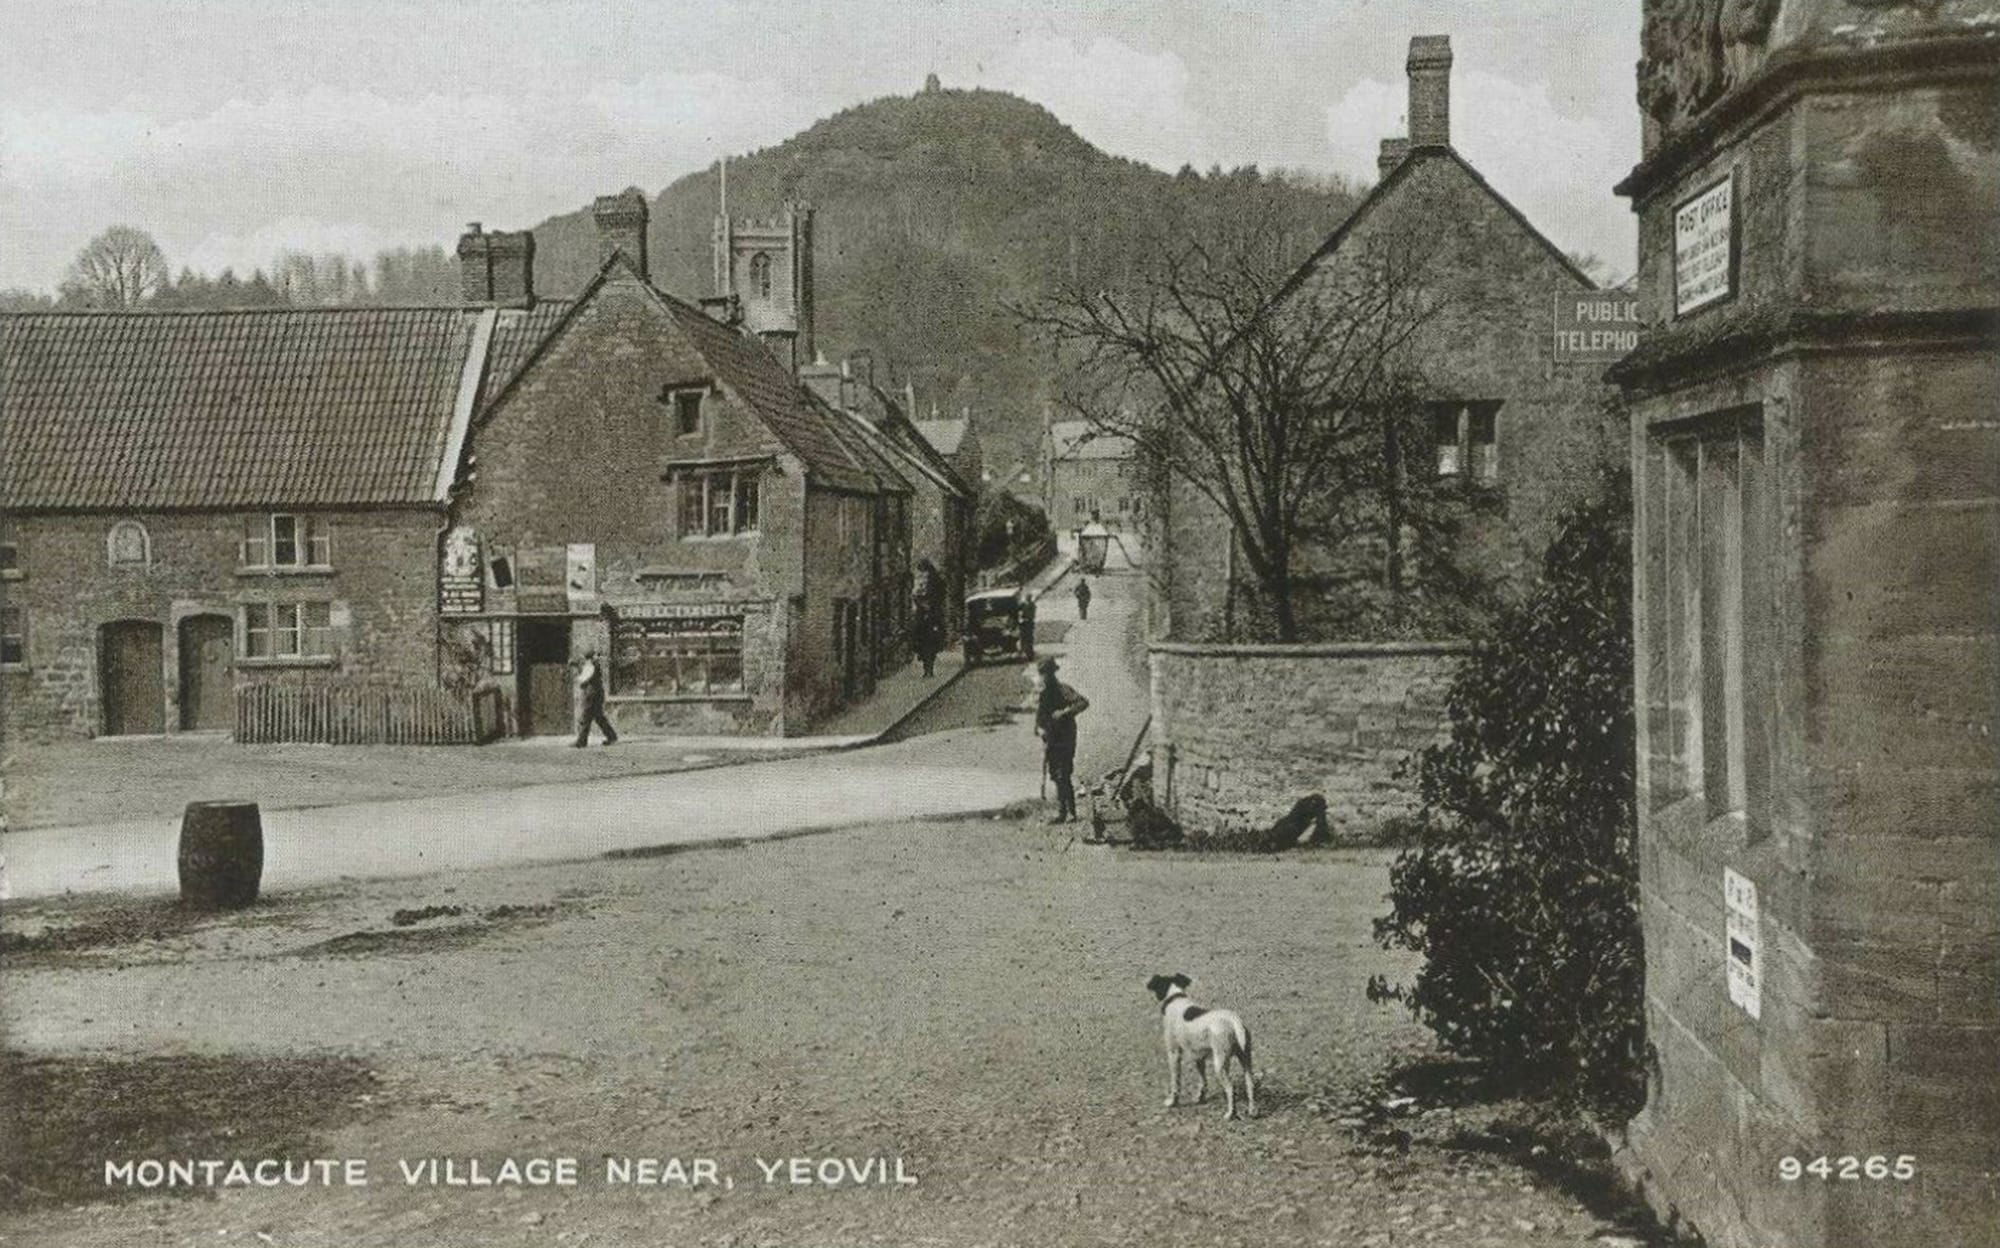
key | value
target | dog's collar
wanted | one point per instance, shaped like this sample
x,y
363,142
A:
x,y
1170,998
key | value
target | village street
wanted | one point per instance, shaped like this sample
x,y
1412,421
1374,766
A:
x,y
970,750
965,994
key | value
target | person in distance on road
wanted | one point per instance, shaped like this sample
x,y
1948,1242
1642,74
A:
x,y
1082,599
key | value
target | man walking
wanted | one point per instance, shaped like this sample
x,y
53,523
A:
x,y
1055,723
1082,599
590,702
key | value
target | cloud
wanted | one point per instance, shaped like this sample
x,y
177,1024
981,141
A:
x,y
1556,166
323,167
1126,102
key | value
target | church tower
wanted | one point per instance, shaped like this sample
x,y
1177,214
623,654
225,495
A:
x,y
765,269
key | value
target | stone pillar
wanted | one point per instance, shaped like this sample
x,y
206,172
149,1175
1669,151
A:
x,y
1817,476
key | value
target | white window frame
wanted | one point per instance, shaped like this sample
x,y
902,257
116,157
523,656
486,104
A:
x,y
311,540
287,631
705,480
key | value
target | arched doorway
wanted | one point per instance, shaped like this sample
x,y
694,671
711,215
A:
x,y
130,680
208,650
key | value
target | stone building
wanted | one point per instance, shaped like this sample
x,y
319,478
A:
x,y
1818,582
445,507
957,441
1089,476
200,502
1517,424
941,500
1518,428
655,485
764,279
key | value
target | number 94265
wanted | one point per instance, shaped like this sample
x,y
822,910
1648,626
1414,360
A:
x,y
1903,1166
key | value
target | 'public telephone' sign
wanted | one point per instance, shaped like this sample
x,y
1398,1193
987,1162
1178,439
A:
x,y
1595,326
1705,248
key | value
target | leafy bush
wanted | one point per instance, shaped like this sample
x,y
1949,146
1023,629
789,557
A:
x,y
1522,889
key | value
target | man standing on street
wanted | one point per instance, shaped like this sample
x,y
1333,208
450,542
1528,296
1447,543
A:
x,y
1082,599
1055,722
590,702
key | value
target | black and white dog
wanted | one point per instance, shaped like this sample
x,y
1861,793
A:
x,y
1203,1036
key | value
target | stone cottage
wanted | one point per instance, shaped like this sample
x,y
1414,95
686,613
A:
x,y
655,486
1241,730
195,503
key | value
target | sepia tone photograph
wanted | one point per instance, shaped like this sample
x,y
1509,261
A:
x,y
1000,623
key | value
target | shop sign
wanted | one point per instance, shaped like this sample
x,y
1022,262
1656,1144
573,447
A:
x,y
1705,248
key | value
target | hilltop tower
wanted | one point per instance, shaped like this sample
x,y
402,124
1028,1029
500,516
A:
x,y
765,268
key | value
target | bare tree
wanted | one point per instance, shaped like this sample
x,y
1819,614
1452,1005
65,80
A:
x,y
120,268
1282,400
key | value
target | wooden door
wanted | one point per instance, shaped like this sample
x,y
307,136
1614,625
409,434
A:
x,y
544,664
130,680
208,693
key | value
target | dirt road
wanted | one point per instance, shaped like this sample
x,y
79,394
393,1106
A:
x,y
966,997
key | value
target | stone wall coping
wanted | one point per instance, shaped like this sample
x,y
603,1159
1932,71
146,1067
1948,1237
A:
x,y
1310,649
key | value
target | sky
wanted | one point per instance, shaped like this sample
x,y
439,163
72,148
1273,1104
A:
x,y
232,129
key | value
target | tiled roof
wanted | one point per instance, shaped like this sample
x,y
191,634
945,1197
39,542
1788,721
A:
x,y
516,334
305,407
1074,439
745,367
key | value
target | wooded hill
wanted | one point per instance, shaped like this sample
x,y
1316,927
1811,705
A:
x,y
934,214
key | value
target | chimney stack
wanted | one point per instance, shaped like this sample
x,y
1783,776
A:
x,y
621,226
1393,152
1429,68
825,380
496,268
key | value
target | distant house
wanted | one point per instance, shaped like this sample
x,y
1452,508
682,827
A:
x,y
193,503
1089,476
444,503
957,441
1510,424
942,500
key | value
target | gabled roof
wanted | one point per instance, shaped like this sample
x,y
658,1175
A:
x,y
742,365
811,431
901,432
1075,439
945,435
1387,187
267,407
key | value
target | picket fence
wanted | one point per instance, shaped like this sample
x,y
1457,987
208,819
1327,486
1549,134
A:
x,y
354,715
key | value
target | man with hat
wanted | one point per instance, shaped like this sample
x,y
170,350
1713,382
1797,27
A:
x,y
1055,723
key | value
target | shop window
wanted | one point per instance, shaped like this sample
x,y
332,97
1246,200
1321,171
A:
x,y
287,630
284,541
1706,577
13,637
691,657
128,545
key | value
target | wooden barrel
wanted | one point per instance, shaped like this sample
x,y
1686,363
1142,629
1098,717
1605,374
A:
x,y
221,855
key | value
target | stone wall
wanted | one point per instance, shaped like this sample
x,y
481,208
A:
x,y
1241,732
